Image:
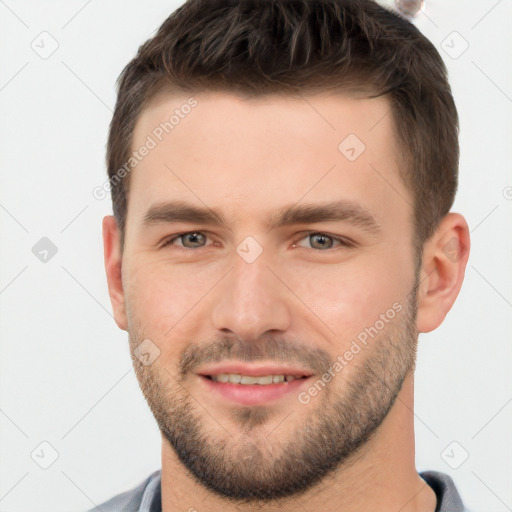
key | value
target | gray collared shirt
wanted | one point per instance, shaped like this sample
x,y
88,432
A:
x,y
147,497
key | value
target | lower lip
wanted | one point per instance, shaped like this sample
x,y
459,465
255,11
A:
x,y
254,394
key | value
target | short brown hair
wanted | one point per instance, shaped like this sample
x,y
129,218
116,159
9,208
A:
x,y
259,47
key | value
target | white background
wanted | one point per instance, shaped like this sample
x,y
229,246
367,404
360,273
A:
x,y
65,372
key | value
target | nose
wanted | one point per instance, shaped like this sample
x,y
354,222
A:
x,y
251,300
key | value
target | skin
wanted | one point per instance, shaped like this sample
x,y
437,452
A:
x,y
246,158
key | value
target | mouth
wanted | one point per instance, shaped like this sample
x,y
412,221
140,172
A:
x,y
247,380
252,384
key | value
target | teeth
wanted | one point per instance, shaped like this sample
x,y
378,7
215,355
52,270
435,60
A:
x,y
236,378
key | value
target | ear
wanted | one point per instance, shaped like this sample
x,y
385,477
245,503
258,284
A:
x,y
445,256
112,258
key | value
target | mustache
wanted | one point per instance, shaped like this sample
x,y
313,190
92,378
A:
x,y
194,355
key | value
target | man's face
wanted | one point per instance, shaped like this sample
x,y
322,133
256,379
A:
x,y
263,293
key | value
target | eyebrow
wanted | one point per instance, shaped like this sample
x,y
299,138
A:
x,y
337,211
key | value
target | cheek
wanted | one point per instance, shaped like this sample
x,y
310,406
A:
x,y
350,296
162,296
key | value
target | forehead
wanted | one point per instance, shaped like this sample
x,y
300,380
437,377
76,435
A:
x,y
247,156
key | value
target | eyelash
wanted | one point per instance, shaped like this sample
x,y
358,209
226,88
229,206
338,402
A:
x,y
342,241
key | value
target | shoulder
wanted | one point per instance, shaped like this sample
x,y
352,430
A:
x,y
448,497
141,498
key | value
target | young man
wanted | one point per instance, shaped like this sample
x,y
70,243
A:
x,y
281,175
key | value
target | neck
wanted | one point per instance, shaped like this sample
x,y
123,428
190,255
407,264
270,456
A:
x,y
382,476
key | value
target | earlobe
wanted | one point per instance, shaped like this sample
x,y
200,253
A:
x,y
113,267
445,257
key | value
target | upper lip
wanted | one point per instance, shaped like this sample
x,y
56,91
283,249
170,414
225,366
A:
x,y
253,369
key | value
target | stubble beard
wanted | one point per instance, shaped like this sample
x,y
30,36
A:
x,y
249,466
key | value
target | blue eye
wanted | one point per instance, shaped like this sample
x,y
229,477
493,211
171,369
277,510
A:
x,y
197,240
324,241
193,236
